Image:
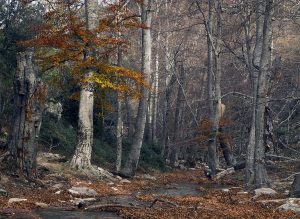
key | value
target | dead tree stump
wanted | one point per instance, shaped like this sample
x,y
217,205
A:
x,y
29,99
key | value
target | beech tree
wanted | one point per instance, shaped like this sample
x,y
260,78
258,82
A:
x,y
82,157
213,25
134,154
264,13
84,45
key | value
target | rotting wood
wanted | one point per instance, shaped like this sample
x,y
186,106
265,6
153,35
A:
x,y
30,95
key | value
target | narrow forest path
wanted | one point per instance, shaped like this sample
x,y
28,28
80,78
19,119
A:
x,y
177,194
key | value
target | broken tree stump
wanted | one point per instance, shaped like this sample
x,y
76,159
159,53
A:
x,y
29,99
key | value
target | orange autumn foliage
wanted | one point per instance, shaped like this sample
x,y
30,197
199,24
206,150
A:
x,y
205,130
63,39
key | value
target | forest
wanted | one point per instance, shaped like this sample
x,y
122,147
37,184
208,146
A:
x,y
149,109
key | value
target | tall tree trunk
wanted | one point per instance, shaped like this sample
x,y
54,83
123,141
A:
x,y
167,115
260,173
82,157
169,81
253,66
212,157
30,94
213,28
119,127
134,154
155,94
177,118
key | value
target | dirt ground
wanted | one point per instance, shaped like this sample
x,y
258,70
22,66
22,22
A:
x,y
225,198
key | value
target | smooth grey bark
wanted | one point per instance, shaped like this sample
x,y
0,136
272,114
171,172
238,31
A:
x,y
213,30
119,127
134,154
258,66
129,115
155,94
210,23
30,95
119,132
253,72
260,173
82,157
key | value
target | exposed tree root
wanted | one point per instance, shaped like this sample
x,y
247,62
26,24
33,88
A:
x,y
96,172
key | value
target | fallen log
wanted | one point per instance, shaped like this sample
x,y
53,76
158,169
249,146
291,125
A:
x,y
281,157
225,173
231,170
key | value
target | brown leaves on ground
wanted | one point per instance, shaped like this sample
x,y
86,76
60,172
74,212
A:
x,y
215,204
211,202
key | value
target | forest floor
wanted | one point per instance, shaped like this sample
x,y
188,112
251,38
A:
x,y
177,194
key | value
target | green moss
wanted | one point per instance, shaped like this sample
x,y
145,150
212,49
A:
x,y
151,158
58,136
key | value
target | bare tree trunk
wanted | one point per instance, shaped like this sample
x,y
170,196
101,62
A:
x,y
213,28
129,115
260,173
255,62
30,95
119,133
177,118
155,94
167,115
82,156
134,154
119,127
149,119
212,157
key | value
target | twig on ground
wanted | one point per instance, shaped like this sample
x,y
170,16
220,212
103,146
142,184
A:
x,y
285,179
281,157
162,200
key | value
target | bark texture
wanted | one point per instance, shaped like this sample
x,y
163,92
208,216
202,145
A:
x,y
82,156
134,154
256,174
213,28
119,126
30,95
